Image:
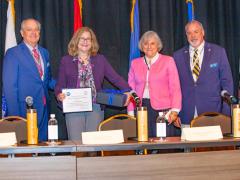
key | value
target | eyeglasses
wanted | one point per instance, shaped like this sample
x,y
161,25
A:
x,y
85,39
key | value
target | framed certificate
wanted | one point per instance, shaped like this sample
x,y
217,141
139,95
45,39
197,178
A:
x,y
77,100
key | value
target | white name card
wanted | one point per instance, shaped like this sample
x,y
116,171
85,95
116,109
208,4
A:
x,y
7,139
103,137
201,133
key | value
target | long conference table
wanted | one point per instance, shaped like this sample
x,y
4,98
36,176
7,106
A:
x,y
44,161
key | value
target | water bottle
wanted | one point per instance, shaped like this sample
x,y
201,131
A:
x,y
161,126
52,129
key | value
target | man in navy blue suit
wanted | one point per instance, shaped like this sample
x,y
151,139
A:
x,y
204,72
26,72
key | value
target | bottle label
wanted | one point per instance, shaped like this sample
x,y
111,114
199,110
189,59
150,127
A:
x,y
53,132
161,130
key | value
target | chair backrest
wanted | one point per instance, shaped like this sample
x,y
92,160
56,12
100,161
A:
x,y
14,124
120,121
213,119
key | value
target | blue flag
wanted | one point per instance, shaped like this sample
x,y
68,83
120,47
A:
x,y
190,10
134,22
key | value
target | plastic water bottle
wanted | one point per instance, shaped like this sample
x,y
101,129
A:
x,y
161,126
52,129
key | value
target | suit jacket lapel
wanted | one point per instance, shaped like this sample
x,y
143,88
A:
x,y
44,58
186,55
206,58
29,61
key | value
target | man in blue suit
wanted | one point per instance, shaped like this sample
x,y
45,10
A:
x,y
204,72
26,72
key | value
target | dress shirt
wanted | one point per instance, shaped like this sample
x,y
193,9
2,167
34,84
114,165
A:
x,y
149,62
41,59
200,56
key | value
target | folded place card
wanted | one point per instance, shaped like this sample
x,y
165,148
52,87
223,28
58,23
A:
x,y
103,137
201,133
7,139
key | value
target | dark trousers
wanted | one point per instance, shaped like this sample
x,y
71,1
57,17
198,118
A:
x,y
152,116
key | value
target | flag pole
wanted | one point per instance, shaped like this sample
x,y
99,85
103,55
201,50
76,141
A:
x,y
190,10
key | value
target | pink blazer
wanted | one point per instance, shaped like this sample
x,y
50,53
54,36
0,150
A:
x,y
164,85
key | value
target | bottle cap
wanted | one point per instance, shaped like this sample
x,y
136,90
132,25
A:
x,y
52,115
160,114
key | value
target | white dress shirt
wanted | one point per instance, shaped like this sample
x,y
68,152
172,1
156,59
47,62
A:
x,y
200,56
41,59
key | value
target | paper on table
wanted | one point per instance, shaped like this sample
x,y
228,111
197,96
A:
x,y
202,133
103,137
7,139
77,100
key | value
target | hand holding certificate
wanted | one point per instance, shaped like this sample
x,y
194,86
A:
x,y
77,100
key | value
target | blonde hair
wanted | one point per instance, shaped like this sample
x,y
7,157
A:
x,y
146,36
73,44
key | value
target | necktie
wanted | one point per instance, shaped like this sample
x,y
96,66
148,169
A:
x,y
37,61
196,67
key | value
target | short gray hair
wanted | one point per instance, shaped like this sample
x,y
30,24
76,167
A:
x,y
146,36
25,20
193,22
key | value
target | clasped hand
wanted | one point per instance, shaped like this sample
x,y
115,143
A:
x,y
172,117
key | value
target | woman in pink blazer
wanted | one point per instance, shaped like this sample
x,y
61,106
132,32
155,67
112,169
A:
x,y
155,79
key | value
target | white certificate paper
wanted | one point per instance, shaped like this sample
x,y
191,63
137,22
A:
x,y
77,100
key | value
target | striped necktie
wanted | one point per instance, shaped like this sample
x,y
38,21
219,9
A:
x,y
37,61
196,67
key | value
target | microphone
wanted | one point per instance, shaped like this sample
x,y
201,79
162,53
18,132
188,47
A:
x,y
231,99
135,98
29,102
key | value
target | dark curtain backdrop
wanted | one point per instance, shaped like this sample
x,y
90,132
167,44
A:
x,y
110,21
